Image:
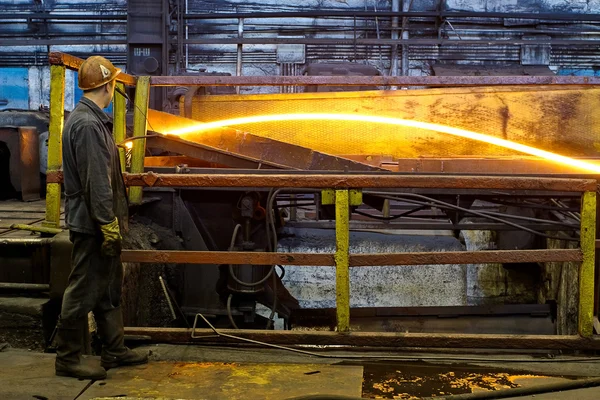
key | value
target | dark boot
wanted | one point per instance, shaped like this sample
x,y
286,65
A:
x,y
69,338
114,352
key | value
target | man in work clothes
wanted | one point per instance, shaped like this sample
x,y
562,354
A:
x,y
96,210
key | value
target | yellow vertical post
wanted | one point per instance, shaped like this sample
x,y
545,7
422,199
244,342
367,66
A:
x,y
342,259
140,121
119,111
586,270
57,117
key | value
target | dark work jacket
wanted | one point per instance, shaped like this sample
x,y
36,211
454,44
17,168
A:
x,y
94,188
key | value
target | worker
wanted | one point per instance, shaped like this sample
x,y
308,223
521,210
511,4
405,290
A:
x,y
96,213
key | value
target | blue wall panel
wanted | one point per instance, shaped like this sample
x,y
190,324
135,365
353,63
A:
x,y
14,88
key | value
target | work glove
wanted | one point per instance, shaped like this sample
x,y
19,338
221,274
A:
x,y
111,245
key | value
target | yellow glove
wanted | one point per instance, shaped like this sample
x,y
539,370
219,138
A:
x,y
111,246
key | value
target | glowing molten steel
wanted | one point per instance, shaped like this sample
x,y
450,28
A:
x,y
391,121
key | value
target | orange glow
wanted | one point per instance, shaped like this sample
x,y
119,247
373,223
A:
x,y
391,121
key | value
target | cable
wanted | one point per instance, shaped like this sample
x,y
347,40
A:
x,y
442,204
229,312
393,217
232,273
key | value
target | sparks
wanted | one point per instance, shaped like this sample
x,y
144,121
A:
x,y
391,121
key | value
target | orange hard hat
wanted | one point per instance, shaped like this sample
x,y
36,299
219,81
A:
x,y
95,72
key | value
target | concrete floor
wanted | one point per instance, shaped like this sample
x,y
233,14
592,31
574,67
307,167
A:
x,y
208,372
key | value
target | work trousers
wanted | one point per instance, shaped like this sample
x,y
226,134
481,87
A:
x,y
95,282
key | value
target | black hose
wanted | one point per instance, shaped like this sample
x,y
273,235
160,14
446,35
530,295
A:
x,y
393,217
443,204
229,312
232,273
525,391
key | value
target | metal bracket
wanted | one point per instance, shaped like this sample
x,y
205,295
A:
x,y
328,197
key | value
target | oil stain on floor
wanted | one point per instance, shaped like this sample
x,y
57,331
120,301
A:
x,y
418,380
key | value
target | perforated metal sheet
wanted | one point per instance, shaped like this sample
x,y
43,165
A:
x,y
562,120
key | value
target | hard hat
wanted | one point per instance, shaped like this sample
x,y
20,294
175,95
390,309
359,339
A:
x,y
95,72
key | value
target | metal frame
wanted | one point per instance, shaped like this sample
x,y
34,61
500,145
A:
x,y
343,190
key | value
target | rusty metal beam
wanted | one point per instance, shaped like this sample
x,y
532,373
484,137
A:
x,y
225,257
376,339
73,63
467,257
208,153
356,260
469,165
371,80
266,151
342,181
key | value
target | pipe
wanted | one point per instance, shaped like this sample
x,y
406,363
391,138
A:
x,y
29,241
27,287
404,65
394,55
31,228
525,391
240,47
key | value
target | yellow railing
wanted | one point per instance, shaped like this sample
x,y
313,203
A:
x,y
341,190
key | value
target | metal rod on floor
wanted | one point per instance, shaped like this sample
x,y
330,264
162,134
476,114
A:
x,y
29,287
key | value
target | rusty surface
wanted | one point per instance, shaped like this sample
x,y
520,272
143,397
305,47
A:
x,y
378,339
172,161
242,144
73,63
341,181
467,257
469,165
356,260
54,177
225,257
371,80
208,153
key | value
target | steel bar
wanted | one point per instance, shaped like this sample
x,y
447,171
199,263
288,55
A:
x,y
119,121
587,267
355,260
31,228
226,257
378,339
73,63
29,287
74,17
371,80
57,118
380,14
467,257
345,181
388,42
208,153
140,125
342,259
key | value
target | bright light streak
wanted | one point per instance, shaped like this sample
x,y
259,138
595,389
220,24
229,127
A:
x,y
391,121
129,145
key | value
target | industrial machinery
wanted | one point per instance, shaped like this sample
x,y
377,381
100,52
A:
x,y
451,216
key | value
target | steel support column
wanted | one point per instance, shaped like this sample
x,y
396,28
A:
x,y
119,111
57,116
142,95
586,270
342,259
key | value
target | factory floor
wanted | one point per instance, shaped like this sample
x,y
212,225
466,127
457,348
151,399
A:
x,y
208,372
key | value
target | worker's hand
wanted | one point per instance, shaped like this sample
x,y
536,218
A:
x,y
111,245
